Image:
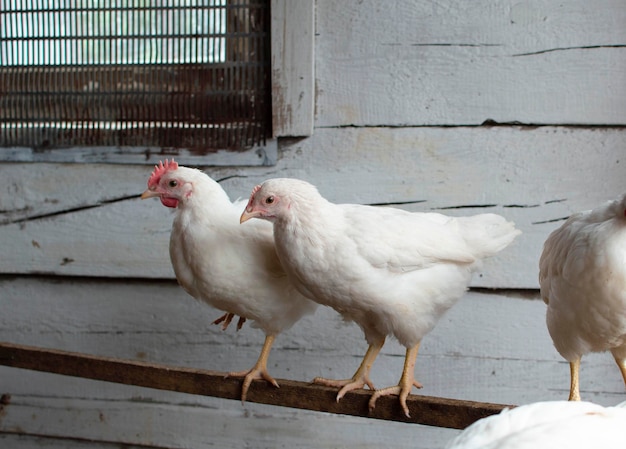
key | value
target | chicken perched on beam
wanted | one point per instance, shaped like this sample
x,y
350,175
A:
x,y
228,266
582,275
548,425
392,272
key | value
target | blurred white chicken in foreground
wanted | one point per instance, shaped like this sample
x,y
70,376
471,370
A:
x,y
392,272
582,275
217,261
548,425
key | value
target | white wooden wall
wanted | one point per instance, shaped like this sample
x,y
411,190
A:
x,y
403,92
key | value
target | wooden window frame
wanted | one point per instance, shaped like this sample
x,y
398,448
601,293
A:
x,y
293,71
292,79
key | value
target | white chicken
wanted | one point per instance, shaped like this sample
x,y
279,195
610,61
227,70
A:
x,y
582,276
392,272
548,425
228,266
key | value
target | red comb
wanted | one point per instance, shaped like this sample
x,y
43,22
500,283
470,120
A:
x,y
160,170
256,189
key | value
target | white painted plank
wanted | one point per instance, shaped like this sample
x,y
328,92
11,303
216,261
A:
x,y
183,425
454,63
21,441
293,73
533,176
492,340
398,64
259,155
489,347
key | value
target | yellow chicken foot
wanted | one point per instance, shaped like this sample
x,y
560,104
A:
x,y
360,378
406,384
574,390
226,319
258,371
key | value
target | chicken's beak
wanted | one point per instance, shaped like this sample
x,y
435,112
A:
x,y
149,194
248,214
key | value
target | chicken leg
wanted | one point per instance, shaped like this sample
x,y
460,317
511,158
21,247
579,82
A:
x,y
574,389
407,382
258,371
360,378
621,363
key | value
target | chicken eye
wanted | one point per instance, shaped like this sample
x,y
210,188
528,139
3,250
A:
x,y
269,200
173,183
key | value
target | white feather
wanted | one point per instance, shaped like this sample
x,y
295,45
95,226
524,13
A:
x,y
390,271
231,267
548,425
583,282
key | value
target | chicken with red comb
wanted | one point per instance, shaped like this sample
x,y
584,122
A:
x,y
153,184
230,267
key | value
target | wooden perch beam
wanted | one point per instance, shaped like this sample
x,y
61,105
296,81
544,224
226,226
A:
x,y
426,410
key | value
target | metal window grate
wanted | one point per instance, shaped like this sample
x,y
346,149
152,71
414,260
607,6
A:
x,y
190,74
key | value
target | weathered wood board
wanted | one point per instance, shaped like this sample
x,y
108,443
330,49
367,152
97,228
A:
x,y
401,89
89,221
293,62
303,395
489,347
462,63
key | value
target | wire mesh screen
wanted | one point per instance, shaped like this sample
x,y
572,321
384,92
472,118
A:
x,y
188,74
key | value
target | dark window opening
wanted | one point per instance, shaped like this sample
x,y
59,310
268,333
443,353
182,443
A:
x,y
169,74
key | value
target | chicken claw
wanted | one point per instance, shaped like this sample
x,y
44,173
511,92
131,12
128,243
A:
x,y
402,391
354,383
249,376
258,371
407,382
360,378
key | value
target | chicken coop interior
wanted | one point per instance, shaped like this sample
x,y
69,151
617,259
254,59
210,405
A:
x,y
449,108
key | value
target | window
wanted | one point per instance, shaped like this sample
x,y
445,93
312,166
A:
x,y
131,80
